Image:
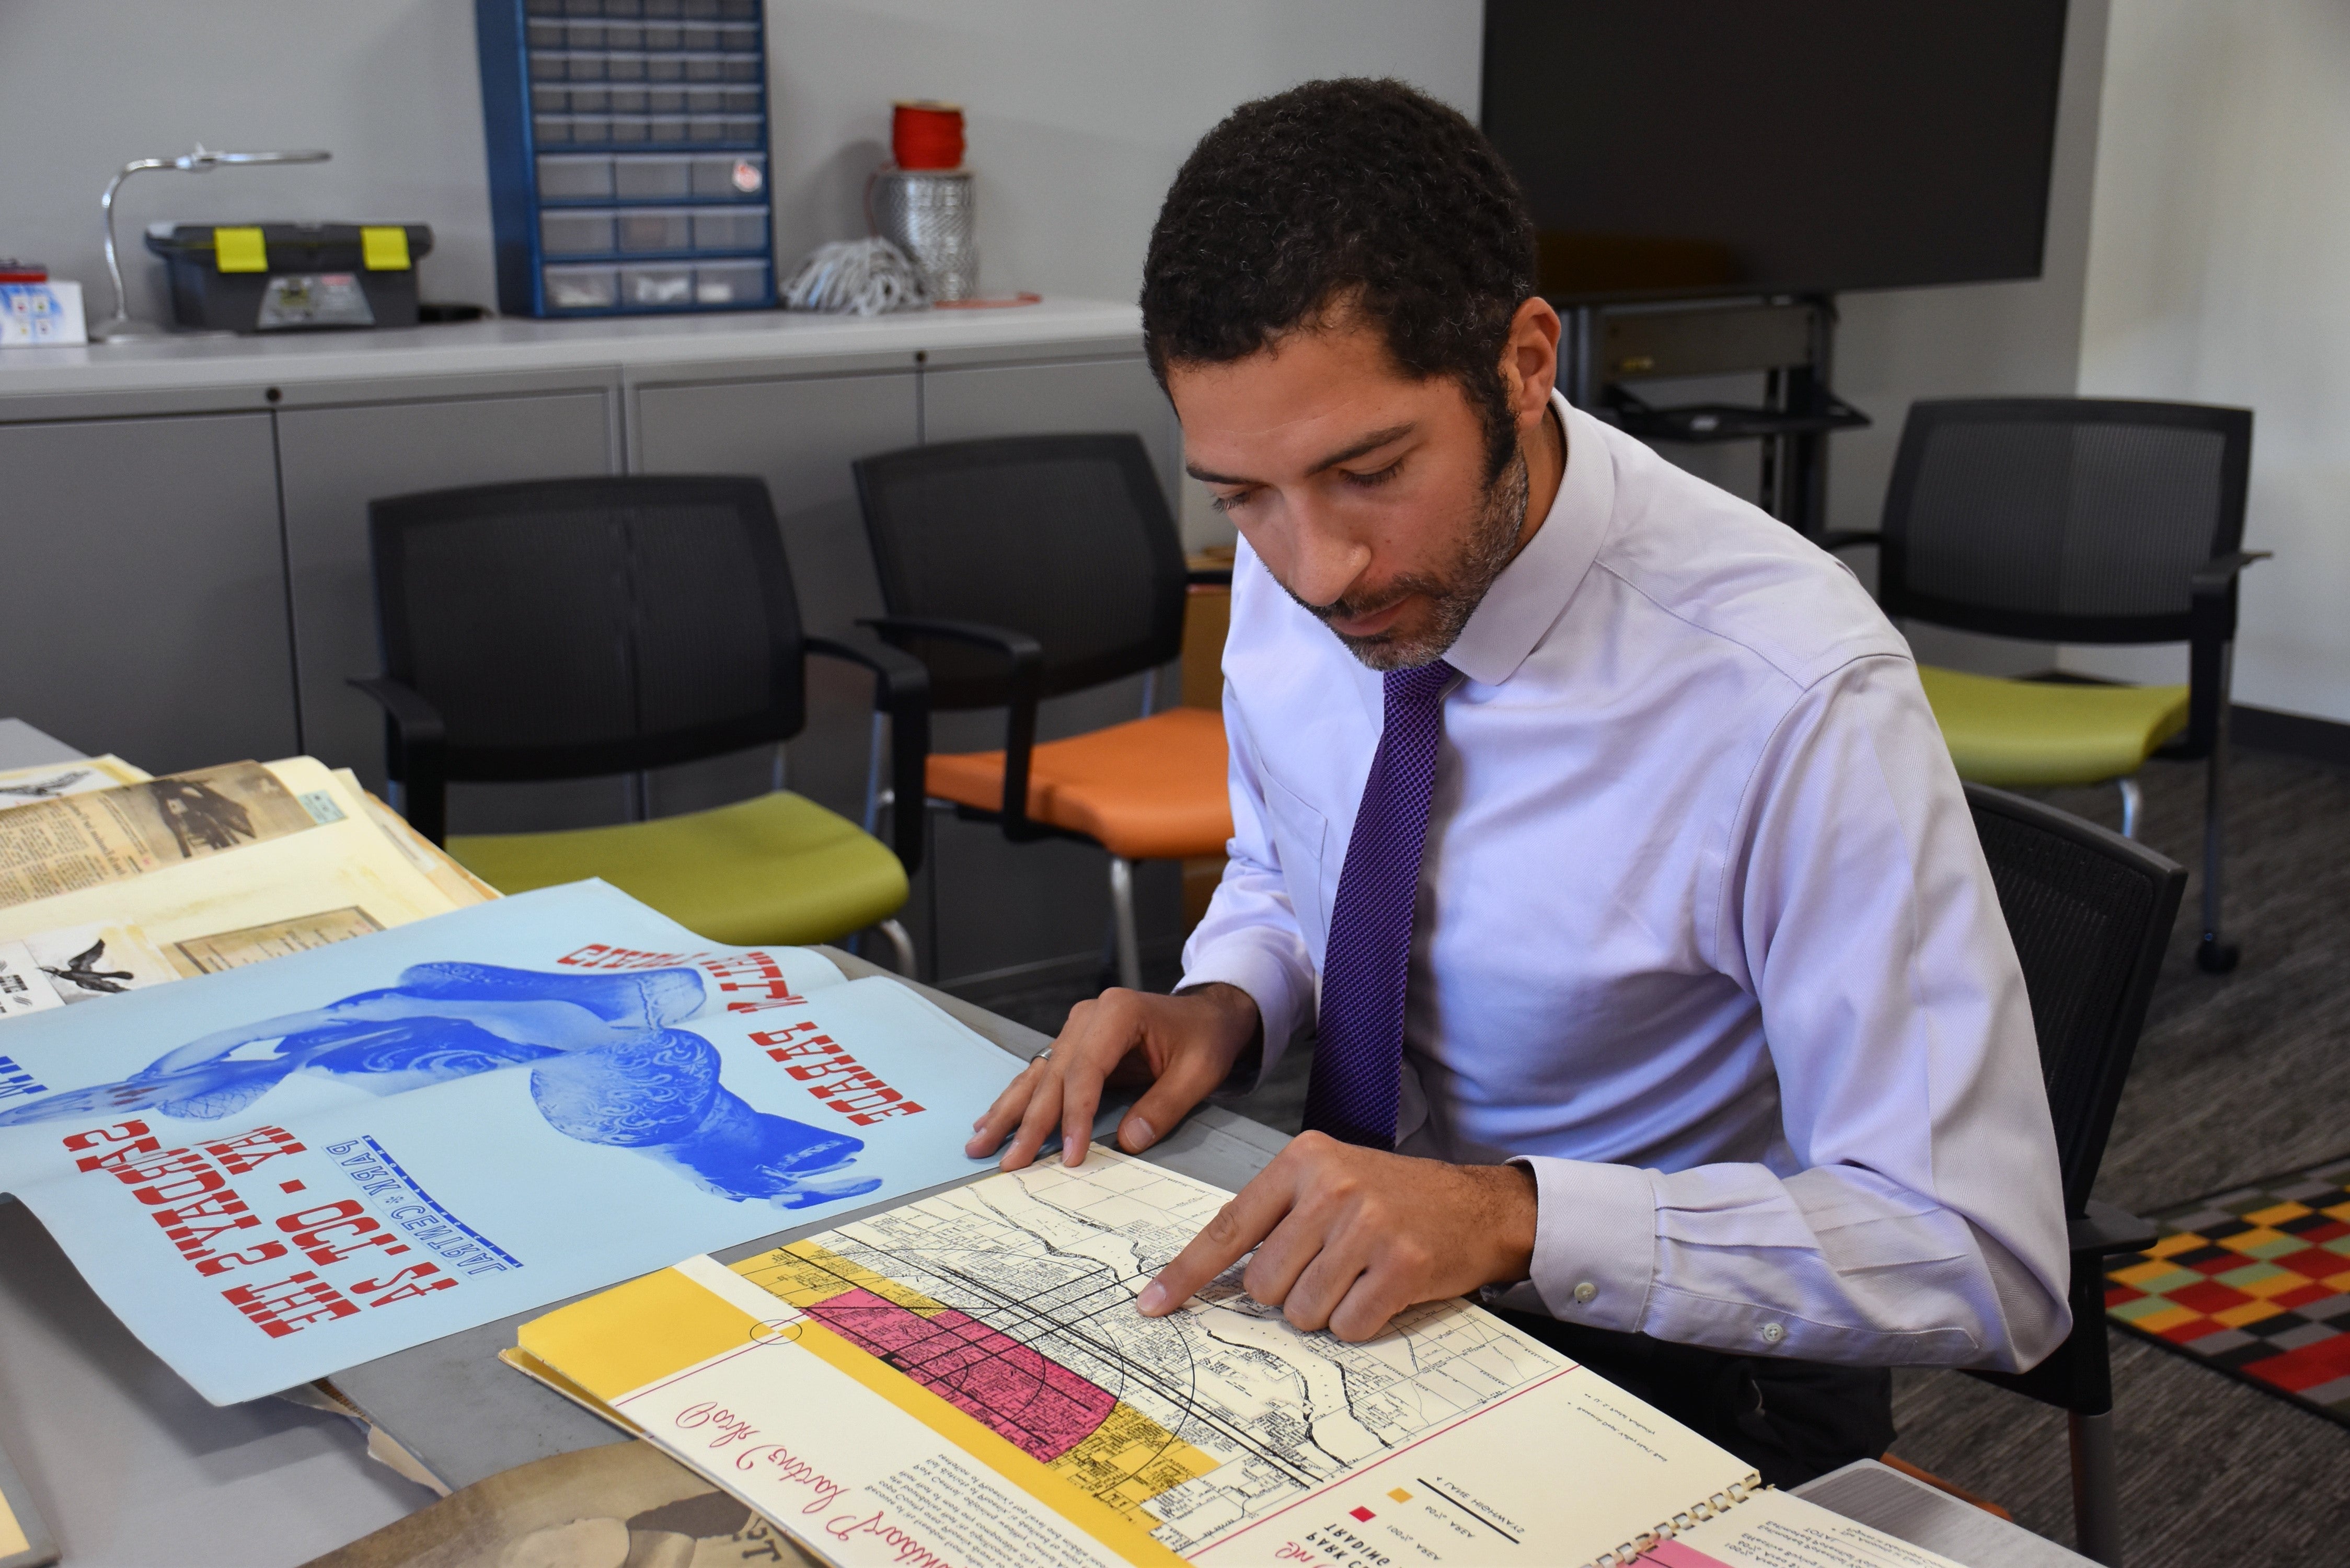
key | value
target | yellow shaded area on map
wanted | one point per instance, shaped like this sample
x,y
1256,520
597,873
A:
x,y
1126,1461
805,1273
1129,1459
637,1333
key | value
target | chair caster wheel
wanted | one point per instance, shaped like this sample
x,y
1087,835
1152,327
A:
x,y
2216,957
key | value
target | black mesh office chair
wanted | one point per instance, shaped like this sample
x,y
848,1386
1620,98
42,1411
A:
x,y
2077,520
1033,566
566,629
2090,912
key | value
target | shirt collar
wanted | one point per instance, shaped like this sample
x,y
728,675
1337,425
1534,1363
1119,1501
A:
x,y
1532,591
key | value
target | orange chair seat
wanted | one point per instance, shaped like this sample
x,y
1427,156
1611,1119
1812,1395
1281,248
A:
x,y
1153,789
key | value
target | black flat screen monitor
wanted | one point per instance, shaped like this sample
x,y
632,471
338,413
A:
x,y
1677,148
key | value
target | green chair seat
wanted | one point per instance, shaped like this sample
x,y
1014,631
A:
x,y
778,868
2012,734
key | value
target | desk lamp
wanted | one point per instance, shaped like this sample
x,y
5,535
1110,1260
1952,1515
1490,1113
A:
x,y
202,160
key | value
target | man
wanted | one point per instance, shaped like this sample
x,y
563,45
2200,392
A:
x,y
1663,992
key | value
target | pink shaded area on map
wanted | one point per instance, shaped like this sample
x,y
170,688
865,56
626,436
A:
x,y
1038,1403
1673,1554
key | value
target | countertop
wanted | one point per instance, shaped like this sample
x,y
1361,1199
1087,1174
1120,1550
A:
x,y
508,345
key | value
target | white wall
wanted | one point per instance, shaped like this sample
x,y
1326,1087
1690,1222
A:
x,y
1079,112
2220,272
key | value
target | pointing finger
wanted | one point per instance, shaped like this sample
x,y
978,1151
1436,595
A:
x,y
1223,1242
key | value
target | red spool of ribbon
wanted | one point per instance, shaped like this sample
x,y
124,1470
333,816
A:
x,y
925,134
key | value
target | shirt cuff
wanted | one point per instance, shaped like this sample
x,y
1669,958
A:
x,y
1268,983
1595,1241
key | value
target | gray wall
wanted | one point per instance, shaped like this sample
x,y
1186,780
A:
x,y
1079,112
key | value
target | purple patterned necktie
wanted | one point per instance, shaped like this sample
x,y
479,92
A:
x,y
1367,959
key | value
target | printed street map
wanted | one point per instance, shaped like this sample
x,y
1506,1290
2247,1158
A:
x,y
1014,1300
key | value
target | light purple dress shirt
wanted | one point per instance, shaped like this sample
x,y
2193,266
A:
x,y
1705,938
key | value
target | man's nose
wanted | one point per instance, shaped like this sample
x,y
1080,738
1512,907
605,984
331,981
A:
x,y
1324,563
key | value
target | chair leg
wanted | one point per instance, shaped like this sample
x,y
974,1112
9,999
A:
x,y
901,944
2097,1500
1121,898
2131,801
873,791
2212,954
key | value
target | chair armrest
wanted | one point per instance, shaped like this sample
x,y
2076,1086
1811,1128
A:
x,y
2211,626
901,689
2106,1229
1023,683
1209,576
2217,574
416,752
1843,538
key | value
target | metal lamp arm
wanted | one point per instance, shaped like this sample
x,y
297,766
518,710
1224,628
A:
x,y
106,200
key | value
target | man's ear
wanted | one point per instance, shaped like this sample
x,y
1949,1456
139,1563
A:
x,y
1530,359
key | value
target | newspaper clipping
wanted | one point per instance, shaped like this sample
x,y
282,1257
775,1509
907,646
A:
x,y
76,841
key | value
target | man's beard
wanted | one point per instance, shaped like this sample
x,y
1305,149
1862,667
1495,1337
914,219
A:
x,y
1488,546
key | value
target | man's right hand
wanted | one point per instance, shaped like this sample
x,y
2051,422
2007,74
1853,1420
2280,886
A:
x,y
1182,1046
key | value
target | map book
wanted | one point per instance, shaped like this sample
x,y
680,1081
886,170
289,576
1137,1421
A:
x,y
277,1171
964,1380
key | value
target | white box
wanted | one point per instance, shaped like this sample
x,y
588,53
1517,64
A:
x,y
41,315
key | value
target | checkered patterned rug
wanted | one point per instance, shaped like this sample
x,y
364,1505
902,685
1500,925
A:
x,y
2256,1282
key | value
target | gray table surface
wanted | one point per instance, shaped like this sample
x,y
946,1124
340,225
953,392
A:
x,y
132,1469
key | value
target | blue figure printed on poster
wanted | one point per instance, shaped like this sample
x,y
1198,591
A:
x,y
280,1171
608,1066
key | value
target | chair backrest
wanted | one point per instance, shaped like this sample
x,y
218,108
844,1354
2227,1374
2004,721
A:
x,y
2061,519
572,626
2090,912
1067,538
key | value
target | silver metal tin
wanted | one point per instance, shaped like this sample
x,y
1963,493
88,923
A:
x,y
929,214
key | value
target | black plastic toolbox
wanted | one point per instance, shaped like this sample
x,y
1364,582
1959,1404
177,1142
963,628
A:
x,y
284,277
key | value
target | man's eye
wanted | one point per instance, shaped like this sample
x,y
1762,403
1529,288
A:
x,y
1229,503
1373,480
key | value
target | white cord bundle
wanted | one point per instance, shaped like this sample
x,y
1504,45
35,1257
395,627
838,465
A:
x,y
855,277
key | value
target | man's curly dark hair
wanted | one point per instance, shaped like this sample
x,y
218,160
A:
x,y
1357,195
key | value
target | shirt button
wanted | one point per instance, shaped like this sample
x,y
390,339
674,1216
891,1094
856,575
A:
x,y
1583,1293
1772,1332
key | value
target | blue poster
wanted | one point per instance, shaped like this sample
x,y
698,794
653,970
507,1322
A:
x,y
279,1171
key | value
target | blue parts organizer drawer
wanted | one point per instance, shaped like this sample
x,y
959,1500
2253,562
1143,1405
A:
x,y
656,287
574,179
649,176
654,230
594,289
584,232
628,143
730,228
726,283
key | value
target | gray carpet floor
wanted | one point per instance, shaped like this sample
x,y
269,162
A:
x,y
2237,1076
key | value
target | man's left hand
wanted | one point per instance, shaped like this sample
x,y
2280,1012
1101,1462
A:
x,y
1346,1238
